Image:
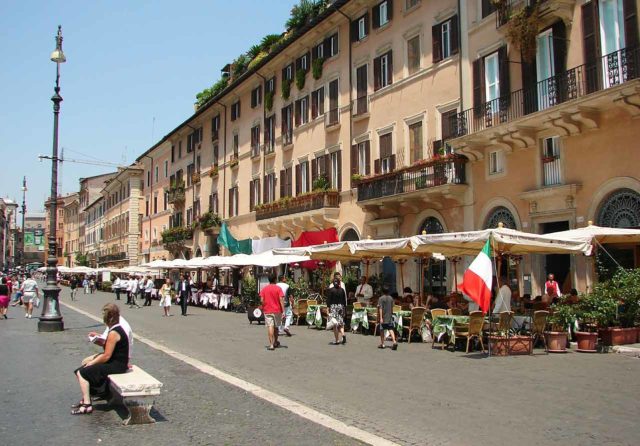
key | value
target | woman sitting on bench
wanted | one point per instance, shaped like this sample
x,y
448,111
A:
x,y
114,359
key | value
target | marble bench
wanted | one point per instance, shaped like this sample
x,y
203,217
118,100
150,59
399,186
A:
x,y
136,390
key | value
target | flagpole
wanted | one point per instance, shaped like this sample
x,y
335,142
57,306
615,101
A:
x,y
493,256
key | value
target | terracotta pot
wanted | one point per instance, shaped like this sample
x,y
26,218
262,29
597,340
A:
x,y
618,336
556,341
586,341
514,345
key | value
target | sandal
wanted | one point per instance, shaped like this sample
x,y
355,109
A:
x,y
381,346
77,405
83,409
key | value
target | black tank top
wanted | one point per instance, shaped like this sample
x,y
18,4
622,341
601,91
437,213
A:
x,y
121,350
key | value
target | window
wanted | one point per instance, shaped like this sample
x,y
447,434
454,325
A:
x,y
488,6
445,39
382,14
233,201
269,133
495,162
148,178
318,51
317,103
166,169
387,161
491,77
173,153
411,4
302,111
194,140
189,216
449,124
415,142
235,110
254,194
155,204
383,71
216,152
190,171
331,45
287,125
302,178
146,208
269,194
256,96
413,54
255,140
213,202
335,175
236,144
156,174
287,72
551,172
334,116
286,183
364,157
360,28
302,62
165,200
490,82
215,128
179,149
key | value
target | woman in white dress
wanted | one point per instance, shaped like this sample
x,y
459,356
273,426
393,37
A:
x,y
165,297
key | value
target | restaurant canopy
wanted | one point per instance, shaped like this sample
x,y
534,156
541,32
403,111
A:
x,y
396,248
600,234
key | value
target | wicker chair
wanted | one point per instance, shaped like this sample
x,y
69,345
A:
x,y
312,302
358,306
454,312
300,310
397,308
539,325
415,321
372,317
473,330
505,319
437,312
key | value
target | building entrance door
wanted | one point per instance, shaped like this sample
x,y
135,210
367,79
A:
x,y
558,264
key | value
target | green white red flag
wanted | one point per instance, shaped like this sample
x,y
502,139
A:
x,y
478,279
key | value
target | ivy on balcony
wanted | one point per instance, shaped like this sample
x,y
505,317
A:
x,y
209,220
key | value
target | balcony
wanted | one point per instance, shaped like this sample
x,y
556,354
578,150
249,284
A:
x,y
332,119
176,195
551,171
441,175
110,258
176,234
570,102
269,148
195,178
306,211
360,107
234,160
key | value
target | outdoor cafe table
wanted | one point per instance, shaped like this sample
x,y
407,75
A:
x,y
314,315
359,317
444,325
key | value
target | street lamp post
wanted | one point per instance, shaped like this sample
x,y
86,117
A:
x,y
24,213
51,318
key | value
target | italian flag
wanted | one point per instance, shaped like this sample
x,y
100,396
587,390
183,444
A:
x,y
477,280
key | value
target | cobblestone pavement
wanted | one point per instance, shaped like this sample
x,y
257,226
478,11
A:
x,y
415,395
193,409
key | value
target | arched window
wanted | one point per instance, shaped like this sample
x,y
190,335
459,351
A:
x,y
432,226
435,274
350,235
502,215
621,209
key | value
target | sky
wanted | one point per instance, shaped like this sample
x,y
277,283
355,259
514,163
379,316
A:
x,y
132,72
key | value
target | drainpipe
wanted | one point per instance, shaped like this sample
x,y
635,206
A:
x,y
120,205
350,94
264,117
150,201
460,52
224,159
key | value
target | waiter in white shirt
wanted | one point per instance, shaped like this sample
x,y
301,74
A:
x,y
134,290
503,299
364,291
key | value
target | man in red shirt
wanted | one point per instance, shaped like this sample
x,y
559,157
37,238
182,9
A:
x,y
273,308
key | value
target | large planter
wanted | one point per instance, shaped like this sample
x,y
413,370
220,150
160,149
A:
x,y
586,341
255,314
514,345
556,341
618,336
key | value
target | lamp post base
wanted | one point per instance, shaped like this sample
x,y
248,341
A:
x,y
50,325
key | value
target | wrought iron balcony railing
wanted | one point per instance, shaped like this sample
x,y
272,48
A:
x,y
293,205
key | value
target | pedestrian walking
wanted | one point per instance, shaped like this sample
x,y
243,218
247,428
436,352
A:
x,y
148,288
73,286
184,293
288,307
165,297
30,296
337,304
273,308
85,285
4,297
385,317
134,290
17,297
116,287
92,285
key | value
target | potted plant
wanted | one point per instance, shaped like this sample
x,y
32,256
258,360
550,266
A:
x,y
620,297
316,68
561,317
301,76
356,178
251,299
595,309
421,182
214,171
286,88
268,100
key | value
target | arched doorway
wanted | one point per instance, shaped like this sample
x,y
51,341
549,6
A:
x,y
350,235
435,274
351,270
621,209
500,214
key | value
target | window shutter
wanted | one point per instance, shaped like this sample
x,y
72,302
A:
x,y
298,179
314,170
289,182
376,73
321,101
390,67
436,37
265,195
297,114
299,63
376,17
326,48
230,202
630,12
354,159
478,91
284,73
454,34
530,86
559,34
367,161
238,113
354,31
253,98
376,167
366,24
314,52
252,197
392,162
389,9
283,183
591,44
339,155
283,126
505,88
